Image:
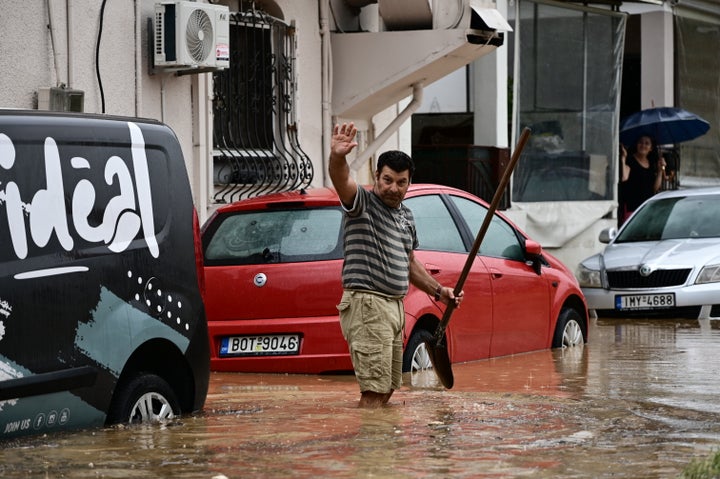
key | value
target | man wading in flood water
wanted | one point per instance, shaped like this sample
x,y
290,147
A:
x,y
379,240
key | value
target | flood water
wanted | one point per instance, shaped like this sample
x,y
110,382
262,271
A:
x,y
640,400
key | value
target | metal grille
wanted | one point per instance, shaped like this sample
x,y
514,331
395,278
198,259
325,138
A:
x,y
256,147
657,279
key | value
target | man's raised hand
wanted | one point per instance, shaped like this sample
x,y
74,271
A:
x,y
343,139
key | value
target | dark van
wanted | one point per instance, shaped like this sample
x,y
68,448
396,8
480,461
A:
x,y
101,316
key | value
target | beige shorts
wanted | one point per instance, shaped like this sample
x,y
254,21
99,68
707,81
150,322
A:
x,y
373,328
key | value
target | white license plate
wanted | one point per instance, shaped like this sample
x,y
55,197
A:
x,y
266,345
645,301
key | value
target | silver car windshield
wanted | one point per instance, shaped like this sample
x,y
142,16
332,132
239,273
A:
x,y
674,218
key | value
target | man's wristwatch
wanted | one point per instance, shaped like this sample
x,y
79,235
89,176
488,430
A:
x,y
438,292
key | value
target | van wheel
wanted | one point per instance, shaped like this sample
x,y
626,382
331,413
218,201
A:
x,y
569,331
146,398
416,357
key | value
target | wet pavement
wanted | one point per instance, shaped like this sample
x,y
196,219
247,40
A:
x,y
640,400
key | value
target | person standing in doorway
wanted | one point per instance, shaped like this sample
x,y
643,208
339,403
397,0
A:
x,y
641,175
379,243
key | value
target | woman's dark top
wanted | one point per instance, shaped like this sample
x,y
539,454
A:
x,y
640,185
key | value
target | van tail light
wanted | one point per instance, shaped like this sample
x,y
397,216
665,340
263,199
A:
x,y
199,263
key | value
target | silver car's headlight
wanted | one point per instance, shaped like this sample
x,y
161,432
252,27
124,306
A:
x,y
709,274
588,278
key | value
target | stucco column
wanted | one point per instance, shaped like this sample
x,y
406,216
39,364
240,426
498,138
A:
x,y
488,84
656,70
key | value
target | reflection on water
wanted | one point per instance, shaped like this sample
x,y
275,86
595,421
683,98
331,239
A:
x,y
639,400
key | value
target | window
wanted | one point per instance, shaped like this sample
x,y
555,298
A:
x,y
500,240
697,43
674,218
436,230
276,237
570,63
256,147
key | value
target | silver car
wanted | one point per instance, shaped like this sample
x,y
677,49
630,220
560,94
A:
x,y
664,261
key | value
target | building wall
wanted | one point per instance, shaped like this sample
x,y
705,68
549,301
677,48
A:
x,y
25,54
132,88
30,60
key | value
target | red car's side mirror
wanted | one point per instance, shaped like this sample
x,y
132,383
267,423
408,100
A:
x,y
533,254
532,248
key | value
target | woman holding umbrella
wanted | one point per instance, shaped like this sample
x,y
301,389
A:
x,y
641,175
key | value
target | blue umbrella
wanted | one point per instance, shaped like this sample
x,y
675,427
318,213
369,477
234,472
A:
x,y
664,125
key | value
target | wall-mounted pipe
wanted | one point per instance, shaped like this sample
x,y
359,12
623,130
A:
x,y
68,45
51,27
395,125
326,82
138,59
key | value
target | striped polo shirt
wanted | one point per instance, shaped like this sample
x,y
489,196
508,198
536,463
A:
x,y
377,245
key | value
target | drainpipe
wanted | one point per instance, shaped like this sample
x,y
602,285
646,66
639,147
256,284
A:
x,y
414,104
68,30
138,60
326,81
53,43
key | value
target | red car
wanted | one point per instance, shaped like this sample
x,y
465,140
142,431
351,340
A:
x,y
272,272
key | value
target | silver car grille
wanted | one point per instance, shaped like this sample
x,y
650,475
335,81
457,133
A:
x,y
657,279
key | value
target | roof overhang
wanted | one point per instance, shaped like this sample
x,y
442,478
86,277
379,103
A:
x,y
374,70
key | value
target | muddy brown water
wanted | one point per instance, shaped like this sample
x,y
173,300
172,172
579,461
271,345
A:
x,y
640,400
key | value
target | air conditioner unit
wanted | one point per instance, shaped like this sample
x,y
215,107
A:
x,y
191,35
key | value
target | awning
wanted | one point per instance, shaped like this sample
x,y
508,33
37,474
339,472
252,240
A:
x,y
492,18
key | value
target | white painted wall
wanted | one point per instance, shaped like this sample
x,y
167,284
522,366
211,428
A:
x,y
447,95
490,94
657,68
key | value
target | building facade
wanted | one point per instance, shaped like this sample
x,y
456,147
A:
x,y
416,75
